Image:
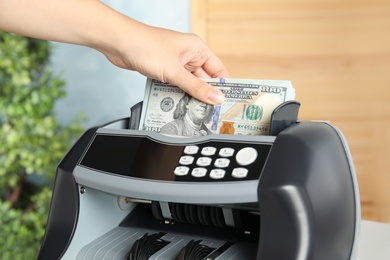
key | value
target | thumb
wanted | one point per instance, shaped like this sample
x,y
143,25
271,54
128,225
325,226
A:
x,y
198,88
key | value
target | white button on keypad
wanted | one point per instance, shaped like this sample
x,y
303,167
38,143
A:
x,y
226,152
246,156
222,163
217,173
203,161
191,149
186,160
181,170
199,172
240,172
208,151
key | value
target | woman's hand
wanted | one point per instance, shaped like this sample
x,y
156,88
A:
x,y
165,55
174,57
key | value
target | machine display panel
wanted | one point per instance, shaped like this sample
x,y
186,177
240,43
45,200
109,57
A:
x,y
141,157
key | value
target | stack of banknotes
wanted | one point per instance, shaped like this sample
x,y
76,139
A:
x,y
246,110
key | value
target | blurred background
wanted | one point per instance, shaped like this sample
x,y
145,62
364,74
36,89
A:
x,y
336,53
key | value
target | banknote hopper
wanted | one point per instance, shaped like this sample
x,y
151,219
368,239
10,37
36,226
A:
x,y
121,193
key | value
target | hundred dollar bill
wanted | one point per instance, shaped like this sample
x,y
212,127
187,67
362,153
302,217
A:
x,y
246,110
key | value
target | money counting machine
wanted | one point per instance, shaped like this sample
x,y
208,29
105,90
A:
x,y
122,193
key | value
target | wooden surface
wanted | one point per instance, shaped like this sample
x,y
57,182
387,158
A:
x,y
337,55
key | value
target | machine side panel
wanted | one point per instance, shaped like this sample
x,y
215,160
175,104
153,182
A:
x,y
307,196
64,204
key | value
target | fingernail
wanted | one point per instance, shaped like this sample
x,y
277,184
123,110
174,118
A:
x,y
215,96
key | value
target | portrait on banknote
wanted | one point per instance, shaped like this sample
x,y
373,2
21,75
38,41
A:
x,y
189,118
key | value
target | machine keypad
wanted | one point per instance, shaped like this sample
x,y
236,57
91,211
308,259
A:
x,y
191,149
217,173
186,160
203,161
218,160
208,151
240,172
226,152
181,170
199,172
222,163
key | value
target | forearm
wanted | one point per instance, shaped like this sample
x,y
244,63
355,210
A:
x,y
84,22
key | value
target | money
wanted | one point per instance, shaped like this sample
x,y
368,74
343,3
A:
x,y
246,110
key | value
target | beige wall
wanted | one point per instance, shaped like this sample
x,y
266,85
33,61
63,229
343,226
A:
x,y
337,55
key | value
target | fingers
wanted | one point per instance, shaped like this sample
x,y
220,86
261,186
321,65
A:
x,y
208,66
200,73
180,59
197,88
214,67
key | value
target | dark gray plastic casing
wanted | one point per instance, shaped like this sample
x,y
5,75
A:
x,y
308,196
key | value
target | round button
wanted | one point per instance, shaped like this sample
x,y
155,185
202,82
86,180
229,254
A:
x,y
246,156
